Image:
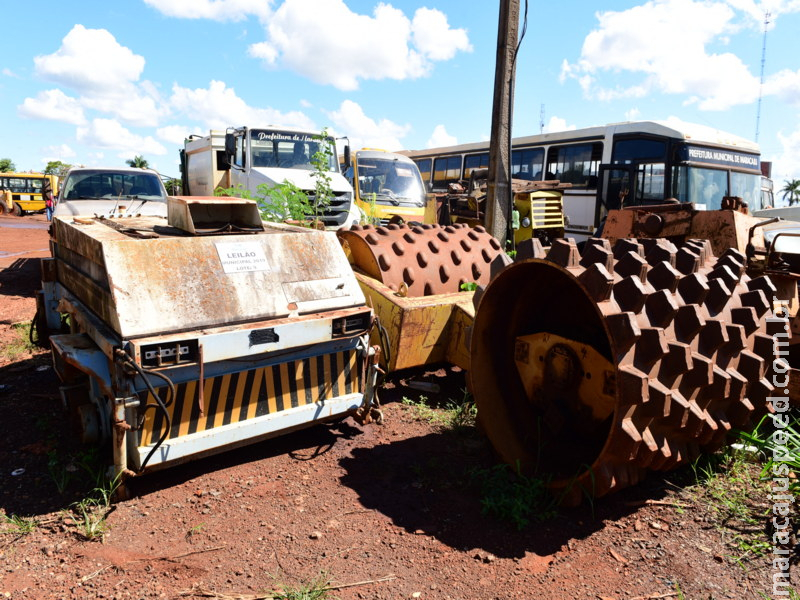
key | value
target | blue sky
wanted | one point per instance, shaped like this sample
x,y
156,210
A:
x,y
97,82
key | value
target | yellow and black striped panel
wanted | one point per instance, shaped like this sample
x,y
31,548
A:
x,y
248,394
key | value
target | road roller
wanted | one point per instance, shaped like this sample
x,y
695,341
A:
x,y
593,365
205,330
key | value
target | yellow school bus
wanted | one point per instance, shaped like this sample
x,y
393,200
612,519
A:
x,y
22,192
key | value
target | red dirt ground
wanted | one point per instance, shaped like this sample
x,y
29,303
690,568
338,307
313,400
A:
x,y
389,508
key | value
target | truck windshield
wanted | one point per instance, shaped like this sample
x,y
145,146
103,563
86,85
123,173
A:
x,y
391,181
289,150
93,184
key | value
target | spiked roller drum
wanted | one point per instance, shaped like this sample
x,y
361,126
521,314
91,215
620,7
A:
x,y
595,368
427,259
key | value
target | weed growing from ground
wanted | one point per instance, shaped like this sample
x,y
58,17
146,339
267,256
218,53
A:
x,y
16,525
90,514
453,415
19,345
316,589
510,496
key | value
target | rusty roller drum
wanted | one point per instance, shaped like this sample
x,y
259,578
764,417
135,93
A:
x,y
428,259
593,369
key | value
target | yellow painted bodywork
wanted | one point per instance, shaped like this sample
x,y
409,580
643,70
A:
x,y
544,358
422,330
543,208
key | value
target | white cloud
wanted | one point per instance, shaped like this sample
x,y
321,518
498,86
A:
x,y
787,164
364,131
330,44
54,105
669,54
9,73
557,124
60,152
105,74
440,138
785,85
433,37
174,134
218,107
90,60
217,10
110,134
633,114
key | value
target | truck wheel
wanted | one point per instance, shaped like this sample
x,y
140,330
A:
x,y
3,208
17,210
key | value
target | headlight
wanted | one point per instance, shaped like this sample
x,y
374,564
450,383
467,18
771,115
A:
x,y
526,222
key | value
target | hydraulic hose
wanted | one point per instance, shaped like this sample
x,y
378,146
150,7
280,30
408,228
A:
x,y
159,403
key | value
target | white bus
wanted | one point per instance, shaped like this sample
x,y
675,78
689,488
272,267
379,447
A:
x,y
621,164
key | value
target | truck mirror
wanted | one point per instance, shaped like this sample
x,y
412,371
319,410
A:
x,y
347,157
230,144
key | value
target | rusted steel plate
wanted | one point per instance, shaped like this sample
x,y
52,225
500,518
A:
x,y
173,281
686,333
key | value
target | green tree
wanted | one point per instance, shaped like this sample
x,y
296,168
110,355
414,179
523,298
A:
x,y
791,191
56,167
173,186
7,165
137,162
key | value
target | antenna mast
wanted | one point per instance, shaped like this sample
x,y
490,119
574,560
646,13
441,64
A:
x,y
763,61
541,119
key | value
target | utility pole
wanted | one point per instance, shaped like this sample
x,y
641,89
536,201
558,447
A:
x,y
498,197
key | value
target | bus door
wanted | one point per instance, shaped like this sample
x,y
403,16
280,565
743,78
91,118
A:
x,y
616,188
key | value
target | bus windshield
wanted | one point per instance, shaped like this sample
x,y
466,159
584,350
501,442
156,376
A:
x,y
707,187
391,181
289,150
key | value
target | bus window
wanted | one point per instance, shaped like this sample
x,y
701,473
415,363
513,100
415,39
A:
x,y
424,167
704,187
475,161
446,170
650,183
638,150
576,164
748,188
527,164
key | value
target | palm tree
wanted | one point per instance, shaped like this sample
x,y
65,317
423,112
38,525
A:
x,y
137,162
791,191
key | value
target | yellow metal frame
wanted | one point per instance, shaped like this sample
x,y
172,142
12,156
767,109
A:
x,y
544,208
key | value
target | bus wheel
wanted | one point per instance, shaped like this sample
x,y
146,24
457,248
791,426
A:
x,y
3,208
17,210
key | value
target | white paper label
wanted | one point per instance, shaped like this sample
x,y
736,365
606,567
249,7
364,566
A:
x,y
240,257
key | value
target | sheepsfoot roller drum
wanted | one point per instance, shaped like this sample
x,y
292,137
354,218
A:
x,y
413,278
592,369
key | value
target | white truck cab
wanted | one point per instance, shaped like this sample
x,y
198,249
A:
x,y
250,157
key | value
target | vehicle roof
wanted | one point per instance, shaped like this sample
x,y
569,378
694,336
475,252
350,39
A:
x,y
112,169
370,153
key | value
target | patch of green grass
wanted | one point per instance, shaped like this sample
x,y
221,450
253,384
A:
x,y
316,589
510,496
90,514
17,525
733,487
452,414
20,343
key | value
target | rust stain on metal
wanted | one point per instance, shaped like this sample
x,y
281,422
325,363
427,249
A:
x,y
685,335
428,259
